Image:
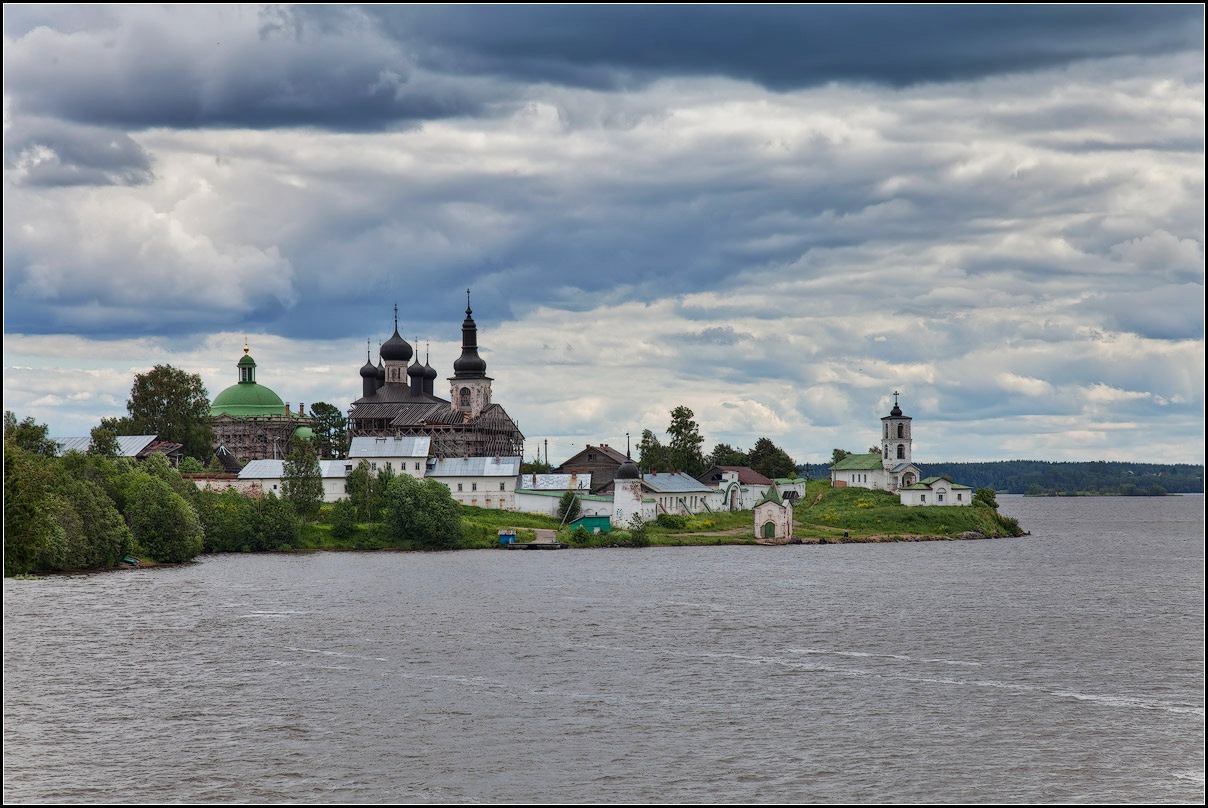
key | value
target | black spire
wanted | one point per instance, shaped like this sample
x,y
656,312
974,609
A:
x,y
469,365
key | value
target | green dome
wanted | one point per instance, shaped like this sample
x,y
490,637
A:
x,y
247,399
305,433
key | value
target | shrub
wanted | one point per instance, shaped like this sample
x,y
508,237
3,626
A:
x,y
672,521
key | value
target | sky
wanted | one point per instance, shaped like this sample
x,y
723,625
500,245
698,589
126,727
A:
x,y
776,216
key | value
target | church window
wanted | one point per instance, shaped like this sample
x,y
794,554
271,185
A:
x,y
922,497
887,430
901,428
958,497
887,452
417,465
459,487
465,396
901,452
939,497
502,487
473,486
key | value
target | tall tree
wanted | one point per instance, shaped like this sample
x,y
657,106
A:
x,y
28,434
771,461
302,481
174,405
331,429
164,526
103,442
684,442
724,454
423,514
652,455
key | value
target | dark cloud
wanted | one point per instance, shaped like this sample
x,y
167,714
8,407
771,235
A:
x,y
780,47
354,68
49,153
1158,313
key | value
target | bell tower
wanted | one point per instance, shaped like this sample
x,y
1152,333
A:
x,y
895,437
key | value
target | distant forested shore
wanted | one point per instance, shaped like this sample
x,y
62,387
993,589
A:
x,y
1048,478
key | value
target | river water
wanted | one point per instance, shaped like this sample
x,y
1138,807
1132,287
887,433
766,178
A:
x,y
1065,666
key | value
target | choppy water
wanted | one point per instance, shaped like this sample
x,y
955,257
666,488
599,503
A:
x,y
1067,666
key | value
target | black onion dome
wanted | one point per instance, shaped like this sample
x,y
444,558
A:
x,y
896,409
628,470
469,365
430,372
396,349
381,371
368,371
416,370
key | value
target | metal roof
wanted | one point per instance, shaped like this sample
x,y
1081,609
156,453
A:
x,y
475,467
275,469
127,445
389,447
675,483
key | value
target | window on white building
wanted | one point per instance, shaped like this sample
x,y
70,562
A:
x,y
473,486
459,486
922,497
502,487
939,497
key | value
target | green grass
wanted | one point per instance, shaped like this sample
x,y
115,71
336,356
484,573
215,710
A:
x,y
864,513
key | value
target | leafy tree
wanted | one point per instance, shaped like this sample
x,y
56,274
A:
x,y
684,442
343,520
302,481
278,527
331,429
360,491
837,455
569,507
771,461
157,465
191,465
652,455
174,405
96,536
423,514
985,496
31,531
724,454
874,449
29,435
103,442
164,526
229,519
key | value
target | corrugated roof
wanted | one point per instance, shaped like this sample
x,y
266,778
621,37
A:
x,y
389,447
275,469
555,482
558,494
675,483
475,467
127,445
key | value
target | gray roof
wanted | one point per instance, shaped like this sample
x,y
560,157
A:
x,y
128,445
555,482
675,483
475,467
389,447
275,469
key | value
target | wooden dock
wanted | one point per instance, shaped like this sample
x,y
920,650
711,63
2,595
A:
x,y
545,540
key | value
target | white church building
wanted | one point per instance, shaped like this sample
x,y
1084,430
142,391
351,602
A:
x,y
890,469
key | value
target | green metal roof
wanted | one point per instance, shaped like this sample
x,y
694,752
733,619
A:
x,y
247,399
859,462
771,495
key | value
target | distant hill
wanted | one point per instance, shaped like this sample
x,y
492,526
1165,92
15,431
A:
x,y
1046,477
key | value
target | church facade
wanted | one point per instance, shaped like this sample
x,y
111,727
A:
x,y
398,399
